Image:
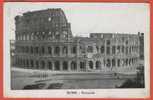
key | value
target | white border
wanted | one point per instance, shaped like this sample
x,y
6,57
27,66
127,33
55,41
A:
x,y
99,93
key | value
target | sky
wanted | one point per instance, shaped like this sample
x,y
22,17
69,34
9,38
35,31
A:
x,y
88,18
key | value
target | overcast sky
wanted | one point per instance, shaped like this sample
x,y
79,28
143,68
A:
x,y
88,18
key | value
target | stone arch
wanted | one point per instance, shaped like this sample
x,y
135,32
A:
x,y
126,62
82,65
108,63
49,50
113,63
37,64
118,62
57,35
50,65
65,65
27,49
73,65
130,62
31,63
74,50
90,49
31,49
24,64
36,49
57,50
27,63
57,65
98,64
90,64
42,64
65,50
42,49
102,49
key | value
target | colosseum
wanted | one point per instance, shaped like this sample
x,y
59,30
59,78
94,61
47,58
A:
x,y
44,41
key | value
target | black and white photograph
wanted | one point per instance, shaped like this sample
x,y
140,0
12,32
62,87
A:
x,y
76,50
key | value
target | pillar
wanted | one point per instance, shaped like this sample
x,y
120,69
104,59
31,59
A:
x,y
78,65
61,65
53,65
61,49
69,50
87,65
52,50
94,65
69,65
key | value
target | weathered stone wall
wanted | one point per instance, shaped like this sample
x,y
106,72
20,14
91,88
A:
x,y
44,41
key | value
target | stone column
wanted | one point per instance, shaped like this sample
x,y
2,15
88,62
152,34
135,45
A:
x,y
69,65
94,65
78,65
52,51
61,65
87,65
53,66
61,49
69,50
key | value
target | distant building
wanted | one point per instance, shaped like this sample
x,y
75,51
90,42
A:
x,y
141,39
44,41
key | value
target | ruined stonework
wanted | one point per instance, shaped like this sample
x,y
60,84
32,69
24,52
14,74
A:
x,y
44,41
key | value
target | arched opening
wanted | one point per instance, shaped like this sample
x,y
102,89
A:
x,y
31,63
108,63
118,62
91,64
37,64
102,49
113,63
23,63
36,50
27,49
57,65
57,51
90,49
65,65
65,34
74,50
97,48
98,64
65,51
73,65
129,62
82,65
31,50
49,50
43,49
113,49
27,61
126,62
42,65
57,35
50,65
